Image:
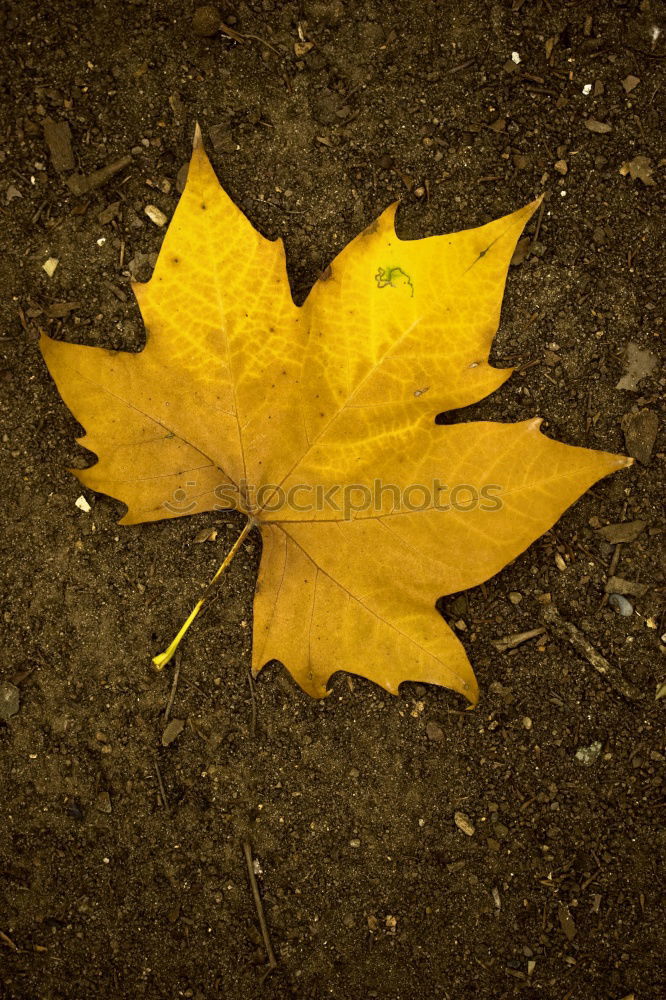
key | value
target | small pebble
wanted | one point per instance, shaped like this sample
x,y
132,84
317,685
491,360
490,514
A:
x,y
103,802
434,732
50,266
464,823
588,755
9,701
527,722
83,504
515,596
355,843
620,604
156,215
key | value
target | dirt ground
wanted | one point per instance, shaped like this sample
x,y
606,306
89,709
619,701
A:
x,y
464,111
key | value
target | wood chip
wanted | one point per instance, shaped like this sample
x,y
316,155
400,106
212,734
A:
x,y
172,731
59,140
618,585
57,310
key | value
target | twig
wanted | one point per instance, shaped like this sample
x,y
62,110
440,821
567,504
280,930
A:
x,y
611,570
80,184
253,723
176,674
160,661
8,941
460,67
160,784
259,906
516,639
566,630
537,230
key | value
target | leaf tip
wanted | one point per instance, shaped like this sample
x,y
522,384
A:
x,y
197,139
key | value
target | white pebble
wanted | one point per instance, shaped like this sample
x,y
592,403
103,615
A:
x,y
83,505
50,266
156,215
515,58
587,89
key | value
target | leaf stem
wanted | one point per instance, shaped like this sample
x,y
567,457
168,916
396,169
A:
x,y
160,661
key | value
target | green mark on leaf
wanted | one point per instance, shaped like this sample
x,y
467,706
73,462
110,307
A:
x,y
393,277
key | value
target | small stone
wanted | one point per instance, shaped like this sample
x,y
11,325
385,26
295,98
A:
x,y
601,128
527,722
82,504
588,755
103,802
434,732
355,842
639,364
626,531
172,731
50,266
561,166
206,21
640,168
566,921
515,596
9,700
620,604
630,83
640,433
156,215
464,824
560,563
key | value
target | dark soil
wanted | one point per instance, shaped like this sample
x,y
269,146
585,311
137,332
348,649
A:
x,y
369,887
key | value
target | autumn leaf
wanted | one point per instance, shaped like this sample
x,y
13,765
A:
x,y
318,424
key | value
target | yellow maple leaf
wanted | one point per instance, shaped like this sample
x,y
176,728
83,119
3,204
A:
x,y
318,423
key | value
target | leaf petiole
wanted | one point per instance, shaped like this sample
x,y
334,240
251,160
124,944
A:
x,y
160,661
